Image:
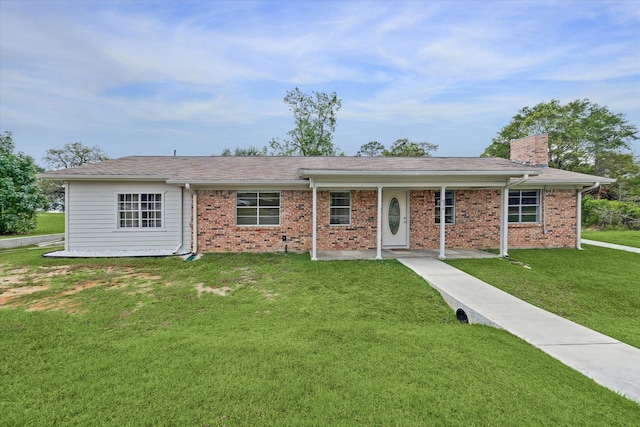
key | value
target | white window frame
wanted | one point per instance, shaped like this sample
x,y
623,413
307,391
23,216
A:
x,y
244,208
449,209
333,209
134,213
516,206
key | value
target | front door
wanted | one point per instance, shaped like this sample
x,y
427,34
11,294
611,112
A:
x,y
394,219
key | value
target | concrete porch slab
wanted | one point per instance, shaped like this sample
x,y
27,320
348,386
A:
x,y
402,254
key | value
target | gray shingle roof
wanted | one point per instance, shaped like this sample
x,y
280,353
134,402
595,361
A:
x,y
210,169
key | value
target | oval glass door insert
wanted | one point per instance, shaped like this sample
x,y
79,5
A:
x,y
394,215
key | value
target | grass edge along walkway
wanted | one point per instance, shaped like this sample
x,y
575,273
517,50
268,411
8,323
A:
x,y
607,361
610,245
618,237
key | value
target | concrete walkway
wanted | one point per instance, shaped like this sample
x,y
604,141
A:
x,y
610,245
607,361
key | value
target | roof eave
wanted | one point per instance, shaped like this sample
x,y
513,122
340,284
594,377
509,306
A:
x,y
570,182
287,183
71,177
312,173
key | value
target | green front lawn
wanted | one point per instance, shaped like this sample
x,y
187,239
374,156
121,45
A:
x,y
623,237
266,340
595,287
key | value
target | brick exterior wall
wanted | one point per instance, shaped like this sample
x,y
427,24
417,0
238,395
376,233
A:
x,y
477,223
532,150
361,234
217,230
559,226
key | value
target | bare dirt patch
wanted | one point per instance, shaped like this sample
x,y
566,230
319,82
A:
x,y
133,282
20,282
222,291
54,304
11,293
230,281
21,276
268,294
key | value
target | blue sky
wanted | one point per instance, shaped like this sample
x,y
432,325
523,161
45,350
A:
x,y
150,77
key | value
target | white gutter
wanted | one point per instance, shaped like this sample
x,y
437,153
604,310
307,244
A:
x,y
239,183
504,215
579,212
71,177
309,173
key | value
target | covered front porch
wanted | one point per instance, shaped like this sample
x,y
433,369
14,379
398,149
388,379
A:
x,y
402,253
405,210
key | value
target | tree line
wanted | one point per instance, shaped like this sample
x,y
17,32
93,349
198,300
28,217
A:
x,y
583,137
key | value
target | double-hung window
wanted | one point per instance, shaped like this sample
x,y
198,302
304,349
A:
x,y
257,208
449,207
524,206
140,210
340,208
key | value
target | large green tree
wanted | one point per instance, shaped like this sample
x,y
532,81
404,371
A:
x,y
244,152
20,196
68,156
315,122
402,147
583,137
371,149
73,155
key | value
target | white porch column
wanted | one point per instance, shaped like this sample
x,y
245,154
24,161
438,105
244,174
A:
x,y
194,206
379,228
504,222
315,219
579,219
442,223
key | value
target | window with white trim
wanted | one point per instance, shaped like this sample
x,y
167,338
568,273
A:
x,y
257,208
140,210
449,207
340,208
524,206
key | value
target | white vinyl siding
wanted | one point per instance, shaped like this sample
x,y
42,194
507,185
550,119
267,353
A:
x,y
94,224
524,206
340,208
257,208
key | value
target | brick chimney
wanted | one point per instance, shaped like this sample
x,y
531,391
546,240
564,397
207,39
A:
x,y
532,150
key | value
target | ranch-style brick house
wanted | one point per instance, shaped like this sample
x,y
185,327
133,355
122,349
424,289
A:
x,y
180,205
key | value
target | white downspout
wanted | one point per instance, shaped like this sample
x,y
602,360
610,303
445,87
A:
x,y
379,227
181,244
66,215
504,222
579,213
314,220
442,222
194,210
